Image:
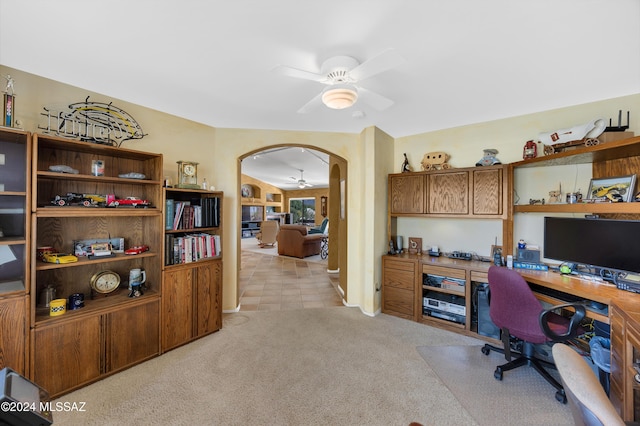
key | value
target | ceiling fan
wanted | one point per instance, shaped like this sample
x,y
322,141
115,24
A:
x,y
341,75
301,182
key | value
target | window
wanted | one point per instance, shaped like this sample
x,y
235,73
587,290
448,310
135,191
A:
x,y
303,211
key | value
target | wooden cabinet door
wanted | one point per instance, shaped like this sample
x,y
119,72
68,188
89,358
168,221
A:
x,y
487,192
208,298
13,333
448,193
399,287
67,355
407,193
132,334
177,307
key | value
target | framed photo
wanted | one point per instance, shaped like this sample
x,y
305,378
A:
x,y
620,188
415,245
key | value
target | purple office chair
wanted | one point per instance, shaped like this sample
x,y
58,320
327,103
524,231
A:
x,y
519,314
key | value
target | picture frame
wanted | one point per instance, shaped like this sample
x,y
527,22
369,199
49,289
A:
x,y
618,188
415,245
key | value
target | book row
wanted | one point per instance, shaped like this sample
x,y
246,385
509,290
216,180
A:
x,y
196,213
191,248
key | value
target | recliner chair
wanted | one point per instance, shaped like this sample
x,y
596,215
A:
x,y
268,234
523,321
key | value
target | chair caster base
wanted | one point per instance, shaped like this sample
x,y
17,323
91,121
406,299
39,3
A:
x,y
498,373
561,397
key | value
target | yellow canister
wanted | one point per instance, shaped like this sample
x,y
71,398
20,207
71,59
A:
x,y
57,307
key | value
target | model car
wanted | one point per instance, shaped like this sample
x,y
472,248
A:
x,y
74,199
137,249
59,258
129,201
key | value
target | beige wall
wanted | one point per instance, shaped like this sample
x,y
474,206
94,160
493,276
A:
x,y
370,156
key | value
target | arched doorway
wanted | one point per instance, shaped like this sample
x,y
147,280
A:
x,y
337,256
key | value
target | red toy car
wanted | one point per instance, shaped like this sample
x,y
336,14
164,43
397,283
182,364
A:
x,y
137,249
130,201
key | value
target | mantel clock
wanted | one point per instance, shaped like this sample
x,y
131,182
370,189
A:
x,y
187,175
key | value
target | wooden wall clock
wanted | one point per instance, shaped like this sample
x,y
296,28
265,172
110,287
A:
x,y
187,175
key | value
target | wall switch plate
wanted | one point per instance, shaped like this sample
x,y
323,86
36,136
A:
x,y
1,159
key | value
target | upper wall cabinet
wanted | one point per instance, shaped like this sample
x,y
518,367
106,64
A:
x,y
468,192
448,193
407,193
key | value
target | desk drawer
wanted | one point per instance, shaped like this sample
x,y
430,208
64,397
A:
x,y
399,265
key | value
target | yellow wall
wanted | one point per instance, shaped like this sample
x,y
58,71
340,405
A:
x,y
370,156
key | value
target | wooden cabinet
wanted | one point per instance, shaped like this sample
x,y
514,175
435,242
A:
x,y
104,335
71,354
625,353
133,335
13,333
448,193
488,195
192,284
399,278
15,152
467,192
192,303
67,355
407,192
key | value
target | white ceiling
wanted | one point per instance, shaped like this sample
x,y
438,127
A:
x,y
465,61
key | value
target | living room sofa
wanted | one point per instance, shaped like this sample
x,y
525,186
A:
x,y
294,240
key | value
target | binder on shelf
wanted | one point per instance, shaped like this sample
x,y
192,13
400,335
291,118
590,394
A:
x,y
170,213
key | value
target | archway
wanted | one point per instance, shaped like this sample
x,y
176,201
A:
x,y
337,257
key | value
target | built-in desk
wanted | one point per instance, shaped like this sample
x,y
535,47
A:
x,y
550,287
404,287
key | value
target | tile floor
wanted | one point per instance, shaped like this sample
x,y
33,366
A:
x,y
280,283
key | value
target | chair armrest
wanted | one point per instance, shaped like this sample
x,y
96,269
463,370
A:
x,y
574,323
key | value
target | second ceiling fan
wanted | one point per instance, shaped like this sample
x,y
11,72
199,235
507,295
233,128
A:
x,y
341,75
301,182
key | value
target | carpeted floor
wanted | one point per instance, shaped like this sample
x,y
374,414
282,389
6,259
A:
x,y
522,396
327,366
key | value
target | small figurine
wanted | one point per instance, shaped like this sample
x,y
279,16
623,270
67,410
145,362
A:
x,y
554,196
9,89
405,165
530,150
435,161
489,158
391,249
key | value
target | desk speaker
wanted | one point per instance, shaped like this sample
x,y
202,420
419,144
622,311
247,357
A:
x,y
529,256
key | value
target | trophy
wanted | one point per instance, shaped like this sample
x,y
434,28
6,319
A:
x,y
8,103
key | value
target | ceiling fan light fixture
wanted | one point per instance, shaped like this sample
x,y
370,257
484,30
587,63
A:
x,y
301,185
340,97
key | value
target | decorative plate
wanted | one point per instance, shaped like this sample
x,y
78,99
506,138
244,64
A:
x,y
247,191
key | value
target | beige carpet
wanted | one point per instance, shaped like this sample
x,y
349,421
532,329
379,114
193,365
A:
x,y
331,366
522,396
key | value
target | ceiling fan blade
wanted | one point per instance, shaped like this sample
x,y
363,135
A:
x,y
385,60
314,103
298,73
375,100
